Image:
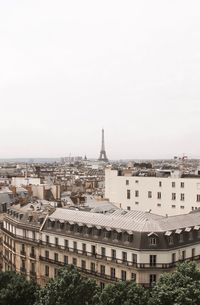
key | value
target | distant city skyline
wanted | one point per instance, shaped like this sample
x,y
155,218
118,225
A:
x,y
70,68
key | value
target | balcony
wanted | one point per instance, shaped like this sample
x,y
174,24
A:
x,y
32,255
32,273
20,237
22,252
82,270
23,270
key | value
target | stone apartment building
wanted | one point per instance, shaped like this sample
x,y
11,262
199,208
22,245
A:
x,y
122,245
169,194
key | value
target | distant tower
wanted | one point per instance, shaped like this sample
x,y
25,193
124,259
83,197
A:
x,y
103,156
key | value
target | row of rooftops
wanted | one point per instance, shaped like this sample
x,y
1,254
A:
x,y
119,220
160,173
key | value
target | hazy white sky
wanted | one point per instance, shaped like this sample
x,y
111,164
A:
x,y
69,68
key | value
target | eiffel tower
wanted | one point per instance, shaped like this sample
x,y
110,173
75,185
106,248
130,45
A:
x,y
103,156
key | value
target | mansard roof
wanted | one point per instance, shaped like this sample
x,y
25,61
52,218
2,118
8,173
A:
x,y
128,220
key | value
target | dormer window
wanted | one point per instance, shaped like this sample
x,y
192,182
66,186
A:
x,y
106,233
71,227
128,236
30,218
61,223
181,238
153,239
52,222
180,235
88,229
98,231
171,240
80,228
117,234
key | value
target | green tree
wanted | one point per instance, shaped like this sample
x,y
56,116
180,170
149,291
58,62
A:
x,y
16,290
181,287
123,293
68,288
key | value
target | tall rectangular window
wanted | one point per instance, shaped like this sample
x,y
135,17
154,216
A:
x,y
92,267
83,264
134,258
173,257
113,254
152,260
158,195
24,232
112,272
103,251
46,254
84,248
160,183
127,182
173,196
66,243
182,196
152,279
32,253
198,197
23,249
136,193
33,267
128,195
33,235
123,275
193,252
56,257
149,194
124,256
46,270
74,261
65,259
75,245
182,184
93,250
47,239
173,184
102,269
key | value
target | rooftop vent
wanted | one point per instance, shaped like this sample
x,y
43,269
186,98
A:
x,y
124,212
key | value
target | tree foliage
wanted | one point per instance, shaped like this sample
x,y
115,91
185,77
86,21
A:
x,y
123,293
181,287
16,290
68,288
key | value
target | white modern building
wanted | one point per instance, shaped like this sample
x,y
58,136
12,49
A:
x,y
163,195
19,181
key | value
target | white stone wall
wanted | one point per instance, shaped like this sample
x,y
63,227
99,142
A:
x,y
116,191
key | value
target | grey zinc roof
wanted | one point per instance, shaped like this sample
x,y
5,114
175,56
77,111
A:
x,y
129,220
4,197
